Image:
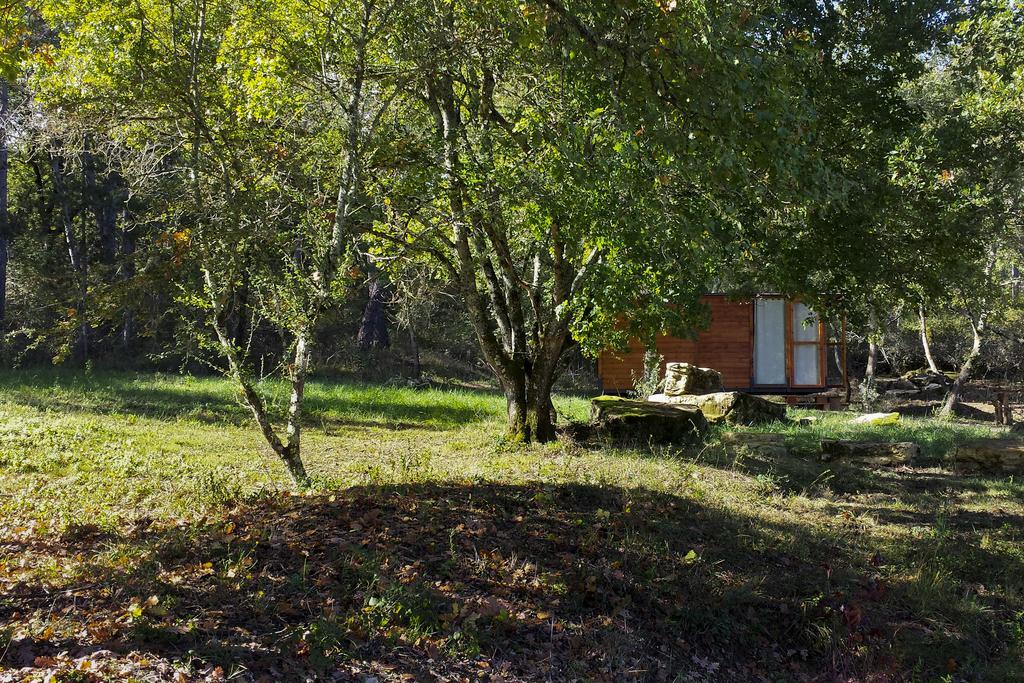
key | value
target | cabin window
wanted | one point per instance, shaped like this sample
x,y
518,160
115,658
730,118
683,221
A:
x,y
807,346
790,345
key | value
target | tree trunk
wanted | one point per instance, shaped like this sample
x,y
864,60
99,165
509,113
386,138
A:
x,y
531,412
541,411
5,222
76,253
373,328
925,344
126,271
351,175
417,369
516,402
239,317
289,452
872,366
293,451
966,370
102,199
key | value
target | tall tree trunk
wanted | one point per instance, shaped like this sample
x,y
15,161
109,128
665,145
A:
x,y
126,271
966,370
288,451
541,410
101,199
351,173
373,328
293,451
531,412
872,367
417,369
5,216
517,406
76,253
112,198
239,317
871,370
925,344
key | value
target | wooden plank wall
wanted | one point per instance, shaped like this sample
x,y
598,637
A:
x,y
726,346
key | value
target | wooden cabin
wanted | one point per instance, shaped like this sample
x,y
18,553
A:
x,y
767,345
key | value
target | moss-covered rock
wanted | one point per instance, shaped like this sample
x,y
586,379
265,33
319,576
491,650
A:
x,y
623,419
734,407
998,457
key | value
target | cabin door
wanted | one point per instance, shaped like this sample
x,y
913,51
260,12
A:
x,y
770,342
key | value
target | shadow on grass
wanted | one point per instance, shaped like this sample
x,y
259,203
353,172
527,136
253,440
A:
x,y
556,582
171,397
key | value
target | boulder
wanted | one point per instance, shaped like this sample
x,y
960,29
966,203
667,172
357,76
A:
x,y
876,419
869,452
990,456
752,443
645,421
923,379
734,407
684,379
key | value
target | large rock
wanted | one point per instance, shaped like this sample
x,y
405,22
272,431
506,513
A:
x,y
869,452
923,379
683,379
770,446
645,421
734,407
990,456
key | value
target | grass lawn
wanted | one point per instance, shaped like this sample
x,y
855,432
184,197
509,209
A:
x,y
147,534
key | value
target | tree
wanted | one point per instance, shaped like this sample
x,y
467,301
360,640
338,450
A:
x,y
12,38
581,172
926,345
864,252
963,167
250,136
5,216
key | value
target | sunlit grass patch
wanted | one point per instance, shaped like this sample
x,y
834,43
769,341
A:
x,y
937,438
